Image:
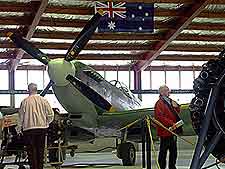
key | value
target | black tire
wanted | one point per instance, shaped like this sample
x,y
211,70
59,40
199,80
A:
x,y
22,167
127,152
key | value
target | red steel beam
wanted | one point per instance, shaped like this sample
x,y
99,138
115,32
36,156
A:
x,y
30,32
181,23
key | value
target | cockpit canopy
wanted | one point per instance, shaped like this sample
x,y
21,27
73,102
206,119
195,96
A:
x,y
122,87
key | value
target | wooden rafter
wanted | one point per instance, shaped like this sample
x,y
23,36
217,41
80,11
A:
x,y
77,10
30,31
180,23
120,46
176,57
79,23
121,36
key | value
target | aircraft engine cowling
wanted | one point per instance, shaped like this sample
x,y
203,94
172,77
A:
x,y
209,75
57,128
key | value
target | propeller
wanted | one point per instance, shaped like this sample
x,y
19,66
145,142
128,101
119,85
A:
x,y
28,47
79,43
92,95
44,92
83,38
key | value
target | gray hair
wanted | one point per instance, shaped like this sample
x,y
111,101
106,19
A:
x,y
161,88
32,87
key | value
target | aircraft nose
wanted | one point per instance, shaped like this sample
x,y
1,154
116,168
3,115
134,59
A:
x,y
58,69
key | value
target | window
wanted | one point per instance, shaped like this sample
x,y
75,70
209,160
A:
x,y
131,80
149,100
124,77
197,73
158,79
145,80
172,79
182,98
5,100
187,79
21,80
19,98
4,80
111,75
46,80
36,76
54,102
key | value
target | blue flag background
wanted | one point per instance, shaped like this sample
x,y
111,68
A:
x,y
139,18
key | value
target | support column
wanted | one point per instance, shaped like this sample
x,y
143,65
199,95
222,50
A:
x,y
12,87
137,83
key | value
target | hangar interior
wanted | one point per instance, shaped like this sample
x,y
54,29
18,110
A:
x,y
181,42
187,33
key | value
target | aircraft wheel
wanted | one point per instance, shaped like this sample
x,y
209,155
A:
x,y
22,167
127,152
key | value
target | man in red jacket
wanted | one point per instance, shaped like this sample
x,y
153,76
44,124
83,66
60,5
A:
x,y
166,112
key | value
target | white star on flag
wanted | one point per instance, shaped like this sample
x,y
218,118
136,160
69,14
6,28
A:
x,y
111,25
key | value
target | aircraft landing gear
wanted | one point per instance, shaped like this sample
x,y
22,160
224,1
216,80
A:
x,y
126,152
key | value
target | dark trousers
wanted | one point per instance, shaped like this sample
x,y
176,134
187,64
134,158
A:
x,y
168,143
35,141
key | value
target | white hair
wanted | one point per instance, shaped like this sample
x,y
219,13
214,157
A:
x,y
32,88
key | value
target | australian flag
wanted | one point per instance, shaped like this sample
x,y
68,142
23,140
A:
x,y
125,17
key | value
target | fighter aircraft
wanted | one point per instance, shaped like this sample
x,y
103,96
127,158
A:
x,y
95,106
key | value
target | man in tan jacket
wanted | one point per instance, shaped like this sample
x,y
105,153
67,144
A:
x,y
35,114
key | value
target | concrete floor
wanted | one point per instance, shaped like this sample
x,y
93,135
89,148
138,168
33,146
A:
x,y
108,160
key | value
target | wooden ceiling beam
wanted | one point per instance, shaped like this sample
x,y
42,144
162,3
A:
x,y
5,55
76,23
77,10
186,57
159,12
126,36
120,46
120,36
180,23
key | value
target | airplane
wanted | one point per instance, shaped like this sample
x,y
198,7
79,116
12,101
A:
x,y
96,107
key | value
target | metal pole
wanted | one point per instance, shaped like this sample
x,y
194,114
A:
x,y
179,71
12,87
210,148
143,136
137,83
148,149
150,74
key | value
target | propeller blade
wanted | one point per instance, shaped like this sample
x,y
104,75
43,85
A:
x,y
83,37
44,92
92,95
28,47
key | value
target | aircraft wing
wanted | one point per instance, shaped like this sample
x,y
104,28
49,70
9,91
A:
x,y
120,119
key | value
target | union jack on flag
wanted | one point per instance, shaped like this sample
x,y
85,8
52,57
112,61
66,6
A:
x,y
125,17
112,8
